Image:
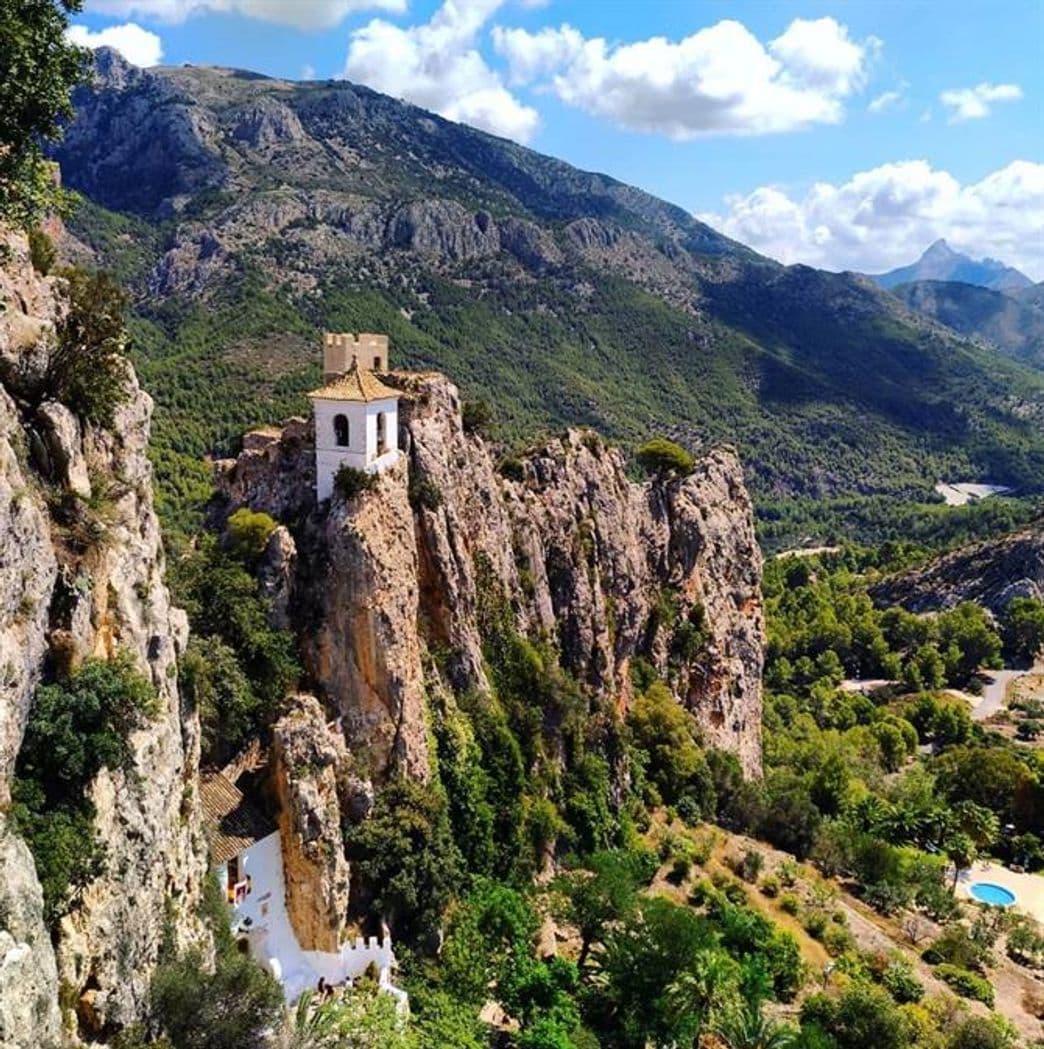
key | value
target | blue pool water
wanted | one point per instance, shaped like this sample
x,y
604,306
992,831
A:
x,y
995,895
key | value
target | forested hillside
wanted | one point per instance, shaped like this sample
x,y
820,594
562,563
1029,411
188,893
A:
x,y
265,211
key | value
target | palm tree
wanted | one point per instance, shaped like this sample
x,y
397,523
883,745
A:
x,y
700,989
747,1027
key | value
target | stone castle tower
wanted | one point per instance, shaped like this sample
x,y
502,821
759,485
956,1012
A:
x,y
356,415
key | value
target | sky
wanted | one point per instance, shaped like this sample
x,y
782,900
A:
x,y
845,135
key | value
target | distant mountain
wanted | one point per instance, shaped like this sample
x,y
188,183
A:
x,y
941,262
1013,322
247,214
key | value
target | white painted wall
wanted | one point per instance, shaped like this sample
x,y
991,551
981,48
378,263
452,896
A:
x,y
263,919
361,451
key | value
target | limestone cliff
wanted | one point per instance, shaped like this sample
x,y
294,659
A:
x,y
600,567
310,770
81,573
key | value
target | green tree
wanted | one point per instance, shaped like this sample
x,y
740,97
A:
x,y
227,1008
665,458
88,368
406,855
978,1032
666,733
861,1017
598,897
1023,628
360,1018
248,534
40,69
637,967
229,709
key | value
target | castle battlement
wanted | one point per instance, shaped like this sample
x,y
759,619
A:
x,y
340,349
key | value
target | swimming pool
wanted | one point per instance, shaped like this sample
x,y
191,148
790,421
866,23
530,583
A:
x,y
994,895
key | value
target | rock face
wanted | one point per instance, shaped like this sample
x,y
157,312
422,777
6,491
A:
x,y
82,579
310,769
991,574
602,568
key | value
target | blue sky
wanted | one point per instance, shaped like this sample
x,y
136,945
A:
x,y
845,135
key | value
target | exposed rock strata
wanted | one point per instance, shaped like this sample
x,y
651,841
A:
x,y
77,579
587,559
991,574
310,767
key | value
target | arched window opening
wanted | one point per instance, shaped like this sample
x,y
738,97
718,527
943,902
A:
x,y
376,364
341,430
382,435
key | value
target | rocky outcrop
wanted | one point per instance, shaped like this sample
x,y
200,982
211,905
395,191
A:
x,y
600,567
310,769
29,1013
990,574
81,574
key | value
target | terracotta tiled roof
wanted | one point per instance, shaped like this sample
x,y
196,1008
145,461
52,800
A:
x,y
232,823
356,384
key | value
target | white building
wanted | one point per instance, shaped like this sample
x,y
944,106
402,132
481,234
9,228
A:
x,y
247,857
356,424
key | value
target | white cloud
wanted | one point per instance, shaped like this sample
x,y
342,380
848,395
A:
x,y
720,80
437,65
973,103
886,100
137,45
886,217
302,14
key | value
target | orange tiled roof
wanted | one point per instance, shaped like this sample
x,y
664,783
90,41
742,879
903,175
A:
x,y
356,384
232,823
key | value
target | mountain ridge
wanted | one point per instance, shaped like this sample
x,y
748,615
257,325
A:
x,y
939,262
264,212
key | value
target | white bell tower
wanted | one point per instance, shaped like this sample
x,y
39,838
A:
x,y
356,423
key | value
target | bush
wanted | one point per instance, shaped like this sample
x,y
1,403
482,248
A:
x,y
477,417
424,493
899,981
42,251
977,1032
226,1009
966,983
350,482
955,947
789,904
248,534
88,370
77,726
665,458
749,867
837,939
511,468
769,886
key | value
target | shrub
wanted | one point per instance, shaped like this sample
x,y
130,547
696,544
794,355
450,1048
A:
x,y
681,868
511,468
966,983
665,458
978,1032
477,417
955,947
769,886
750,865
899,980
424,493
88,370
248,533
228,1008
350,482
837,939
789,904
42,251
77,726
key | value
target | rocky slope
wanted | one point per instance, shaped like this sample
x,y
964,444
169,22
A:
x,y
1011,323
989,573
601,568
81,573
262,211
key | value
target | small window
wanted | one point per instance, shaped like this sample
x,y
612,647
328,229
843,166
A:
x,y
341,433
376,364
382,433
